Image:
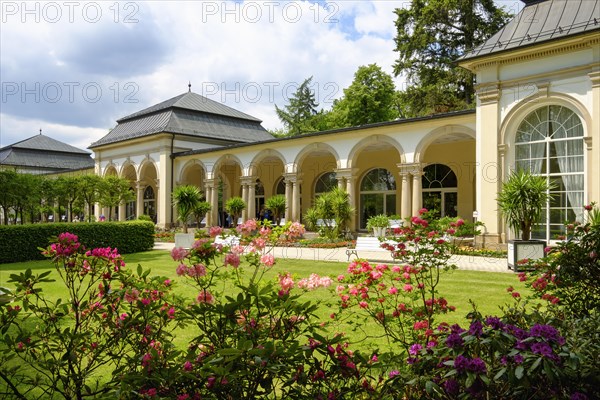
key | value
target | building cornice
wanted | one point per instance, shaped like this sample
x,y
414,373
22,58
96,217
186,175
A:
x,y
535,51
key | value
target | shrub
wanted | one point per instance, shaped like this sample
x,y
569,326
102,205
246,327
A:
x,y
22,242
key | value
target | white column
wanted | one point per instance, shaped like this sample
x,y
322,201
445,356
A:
x,y
139,202
245,198
405,208
417,194
215,204
296,200
122,216
288,199
252,199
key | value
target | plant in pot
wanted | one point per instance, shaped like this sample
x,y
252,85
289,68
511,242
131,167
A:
x,y
277,205
200,211
379,224
234,206
521,202
185,199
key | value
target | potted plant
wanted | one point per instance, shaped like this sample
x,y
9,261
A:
x,y
200,211
234,206
379,224
521,201
277,205
185,199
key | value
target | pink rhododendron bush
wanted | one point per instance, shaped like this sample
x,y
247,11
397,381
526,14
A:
x,y
251,337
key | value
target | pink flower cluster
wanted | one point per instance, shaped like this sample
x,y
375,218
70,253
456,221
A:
x,y
215,231
179,253
314,281
295,231
67,245
111,255
194,271
247,228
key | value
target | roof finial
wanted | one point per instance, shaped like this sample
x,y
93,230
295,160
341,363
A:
x,y
189,86
40,131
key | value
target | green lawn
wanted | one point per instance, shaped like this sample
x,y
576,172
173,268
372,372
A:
x,y
486,289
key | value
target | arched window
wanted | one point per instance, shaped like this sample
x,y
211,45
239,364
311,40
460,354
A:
x,y
325,183
440,192
377,194
150,203
549,143
280,186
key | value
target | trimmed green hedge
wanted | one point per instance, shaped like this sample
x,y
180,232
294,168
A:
x,y
22,242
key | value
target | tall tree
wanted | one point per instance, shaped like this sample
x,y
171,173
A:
x,y
432,35
8,184
89,186
113,191
370,98
297,115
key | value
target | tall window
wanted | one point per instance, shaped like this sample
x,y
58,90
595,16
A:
x,y
377,194
440,192
150,203
325,183
259,197
130,207
549,142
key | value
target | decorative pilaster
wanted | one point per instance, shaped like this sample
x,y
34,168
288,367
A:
x,y
245,198
405,205
252,199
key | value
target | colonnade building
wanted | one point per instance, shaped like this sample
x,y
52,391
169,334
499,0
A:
x,y
538,107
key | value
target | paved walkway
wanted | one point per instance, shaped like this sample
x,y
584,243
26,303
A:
x,y
473,263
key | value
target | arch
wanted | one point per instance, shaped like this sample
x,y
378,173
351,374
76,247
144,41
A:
x,y
313,148
279,187
375,141
514,117
549,142
265,155
143,168
128,171
193,173
111,169
226,159
455,131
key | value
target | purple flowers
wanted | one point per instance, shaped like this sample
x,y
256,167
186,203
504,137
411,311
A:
x,y
454,340
463,364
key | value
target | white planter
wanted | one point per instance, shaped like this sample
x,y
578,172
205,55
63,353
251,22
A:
x,y
521,249
379,232
185,240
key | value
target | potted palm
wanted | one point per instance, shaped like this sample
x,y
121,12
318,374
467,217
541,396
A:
x,y
200,211
277,205
521,202
379,224
234,206
185,199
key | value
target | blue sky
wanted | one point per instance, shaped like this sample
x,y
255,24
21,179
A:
x,y
73,68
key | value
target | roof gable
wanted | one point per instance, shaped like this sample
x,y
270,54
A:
x,y
539,22
193,102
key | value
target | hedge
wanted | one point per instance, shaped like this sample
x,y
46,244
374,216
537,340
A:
x,y
22,242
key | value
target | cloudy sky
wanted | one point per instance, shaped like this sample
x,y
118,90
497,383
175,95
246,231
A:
x,y
73,68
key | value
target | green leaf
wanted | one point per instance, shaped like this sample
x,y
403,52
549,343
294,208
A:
x,y
500,373
519,372
139,270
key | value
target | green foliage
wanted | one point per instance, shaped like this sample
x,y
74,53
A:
x,y
235,206
570,274
145,217
333,209
200,210
114,190
22,242
185,199
431,36
378,221
277,204
522,199
297,115
370,98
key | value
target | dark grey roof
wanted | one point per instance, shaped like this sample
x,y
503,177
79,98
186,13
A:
x,y
43,142
44,154
542,21
188,114
194,102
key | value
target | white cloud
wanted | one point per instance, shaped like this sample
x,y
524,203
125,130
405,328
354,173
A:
x,y
261,49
